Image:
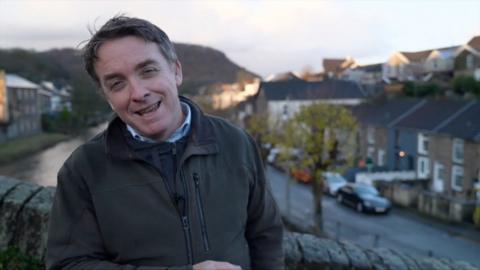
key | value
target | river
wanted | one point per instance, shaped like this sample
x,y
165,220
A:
x,y
42,167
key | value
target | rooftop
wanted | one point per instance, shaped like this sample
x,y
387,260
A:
x,y
475,43
417,56
384,112
15,81
431,114
305,90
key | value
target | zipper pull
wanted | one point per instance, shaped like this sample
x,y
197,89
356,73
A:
x,y
195,178
185,222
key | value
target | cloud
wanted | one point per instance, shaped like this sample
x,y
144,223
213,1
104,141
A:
x,y
264,36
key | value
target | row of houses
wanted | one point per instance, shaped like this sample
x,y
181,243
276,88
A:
x,y
22,102
430,144
436,143
411,66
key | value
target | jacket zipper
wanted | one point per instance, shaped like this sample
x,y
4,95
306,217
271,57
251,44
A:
x,y
186,232
203,225
184,211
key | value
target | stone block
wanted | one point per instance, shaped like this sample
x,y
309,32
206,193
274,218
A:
x,y
338,259
434,263
293,255
357,257
32,224
391,260
7,185
462,265
12,204
410,261
315,252
375,260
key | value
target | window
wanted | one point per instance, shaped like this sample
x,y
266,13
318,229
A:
x,y
457,177
285,112
381,157
469,61
423,168
422,144
457,151
370,152
438,177
370,134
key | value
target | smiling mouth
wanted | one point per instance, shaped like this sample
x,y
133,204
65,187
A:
x,y
149,109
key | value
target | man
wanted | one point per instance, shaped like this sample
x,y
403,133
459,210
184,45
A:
x,y
165,186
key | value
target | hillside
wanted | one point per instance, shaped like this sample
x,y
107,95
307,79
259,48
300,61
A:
x,y
201,66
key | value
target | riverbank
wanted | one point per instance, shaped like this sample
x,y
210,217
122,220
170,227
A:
x,y
16,149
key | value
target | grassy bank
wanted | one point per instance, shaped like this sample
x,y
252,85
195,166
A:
x,y
23,147
14,259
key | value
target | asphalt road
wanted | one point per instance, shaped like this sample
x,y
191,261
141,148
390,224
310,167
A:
x,y
401,230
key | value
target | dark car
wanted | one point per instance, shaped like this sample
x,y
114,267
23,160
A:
x,y
364,198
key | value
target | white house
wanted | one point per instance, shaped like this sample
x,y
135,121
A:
x,y
441,60
282,99
405,66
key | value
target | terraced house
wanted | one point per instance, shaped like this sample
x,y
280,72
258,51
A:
x,y
434,142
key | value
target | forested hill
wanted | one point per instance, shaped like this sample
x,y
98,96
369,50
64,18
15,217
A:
x,y
201,66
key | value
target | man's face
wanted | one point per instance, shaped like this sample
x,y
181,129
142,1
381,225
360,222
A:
x,y
140,85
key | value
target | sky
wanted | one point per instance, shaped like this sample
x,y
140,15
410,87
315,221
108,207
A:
x,y
265,37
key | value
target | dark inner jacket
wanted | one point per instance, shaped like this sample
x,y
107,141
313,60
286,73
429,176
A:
x,y
112,209
165,157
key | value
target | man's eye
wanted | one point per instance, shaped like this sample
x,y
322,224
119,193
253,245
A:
x,y
149,71
116,85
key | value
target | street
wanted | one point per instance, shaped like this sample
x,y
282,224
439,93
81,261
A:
x,y
400,230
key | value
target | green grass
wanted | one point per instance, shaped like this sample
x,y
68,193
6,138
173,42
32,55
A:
x,y
19,148
13,259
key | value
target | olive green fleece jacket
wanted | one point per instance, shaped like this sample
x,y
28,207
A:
x,y
112,209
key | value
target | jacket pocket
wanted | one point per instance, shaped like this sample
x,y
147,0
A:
x,y
201,214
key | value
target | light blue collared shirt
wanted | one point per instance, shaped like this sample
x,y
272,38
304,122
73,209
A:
x,y
179,133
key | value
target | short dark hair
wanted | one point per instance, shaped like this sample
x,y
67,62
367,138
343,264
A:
x,y
122,26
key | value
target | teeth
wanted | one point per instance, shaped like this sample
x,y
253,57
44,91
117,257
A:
x,y
149,109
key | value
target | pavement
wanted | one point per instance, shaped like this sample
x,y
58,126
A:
x,y
463,230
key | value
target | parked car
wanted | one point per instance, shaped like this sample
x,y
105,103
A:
x,y
302,175
364,198
273,155
332,182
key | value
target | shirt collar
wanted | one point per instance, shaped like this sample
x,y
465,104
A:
x,y
179,133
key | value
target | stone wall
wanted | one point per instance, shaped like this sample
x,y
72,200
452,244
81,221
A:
x,y
25,207
447,208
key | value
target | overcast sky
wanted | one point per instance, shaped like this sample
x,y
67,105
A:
x,y
264,36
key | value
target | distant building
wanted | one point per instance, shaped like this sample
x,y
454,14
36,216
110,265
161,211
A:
x,y
474,43
282,99
59,98
441,60
437,141
226,96
366,75
403,66
336,67
286,76
467,59
23,113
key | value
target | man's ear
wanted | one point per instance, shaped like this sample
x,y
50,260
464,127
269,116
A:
x,y
178,72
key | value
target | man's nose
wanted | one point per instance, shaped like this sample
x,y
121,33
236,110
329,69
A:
x,y
138,90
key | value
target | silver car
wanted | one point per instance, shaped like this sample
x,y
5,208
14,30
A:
x,y
333,182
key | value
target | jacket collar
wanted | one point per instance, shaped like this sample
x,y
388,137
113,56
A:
x,y
201,140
